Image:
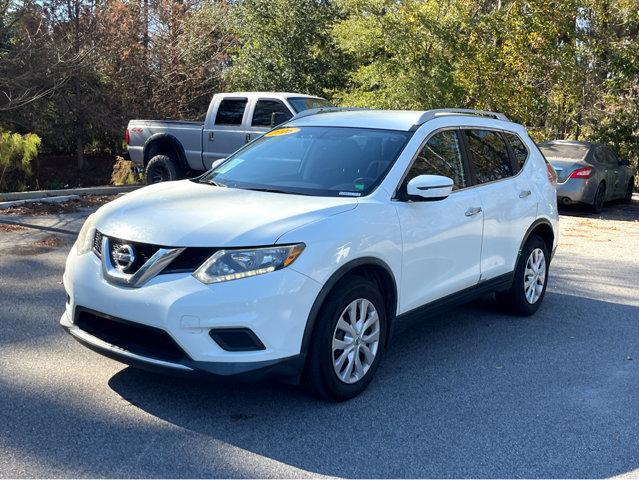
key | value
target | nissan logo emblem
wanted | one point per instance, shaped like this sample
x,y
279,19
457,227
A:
x,y
123,257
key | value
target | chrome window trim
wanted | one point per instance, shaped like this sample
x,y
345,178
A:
x,y
465,127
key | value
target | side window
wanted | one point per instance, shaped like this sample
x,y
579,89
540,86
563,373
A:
x,y
441,156
264,109
230,111
612,158
519,149
489,155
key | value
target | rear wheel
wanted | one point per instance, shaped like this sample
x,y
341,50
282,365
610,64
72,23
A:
x,y
348,341
162,168
600,197
628,196
529,282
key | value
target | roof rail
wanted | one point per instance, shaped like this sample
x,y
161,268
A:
x,y
315,111
439,112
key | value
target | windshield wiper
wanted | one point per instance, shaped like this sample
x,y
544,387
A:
x,y
214,183
272,190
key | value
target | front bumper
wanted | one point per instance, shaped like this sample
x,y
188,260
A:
x,y
274,306
286,368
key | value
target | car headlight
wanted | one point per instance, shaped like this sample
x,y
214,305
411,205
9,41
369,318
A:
x,y
84,243
227,265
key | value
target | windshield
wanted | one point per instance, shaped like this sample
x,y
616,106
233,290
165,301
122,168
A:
x,y
321,161
300,104
559,151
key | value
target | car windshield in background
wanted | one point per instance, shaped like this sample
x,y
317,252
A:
x,y
562,151
321,161
300,104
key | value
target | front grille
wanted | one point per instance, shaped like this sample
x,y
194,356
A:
x,y
140,339
97,243
188,261
143,251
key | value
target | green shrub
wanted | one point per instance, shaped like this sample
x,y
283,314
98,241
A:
x,y
16,153
124,173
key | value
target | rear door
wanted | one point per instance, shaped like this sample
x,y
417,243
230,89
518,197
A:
x,y
228,131
508,202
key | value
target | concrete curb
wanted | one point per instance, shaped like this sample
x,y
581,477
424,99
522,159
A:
x,y
38,195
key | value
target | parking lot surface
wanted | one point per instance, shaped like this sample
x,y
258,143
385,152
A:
x,y
472,393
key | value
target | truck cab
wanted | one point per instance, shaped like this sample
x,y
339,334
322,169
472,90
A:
x,y
170,150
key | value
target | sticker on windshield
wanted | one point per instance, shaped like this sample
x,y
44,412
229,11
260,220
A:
x,y
282,131
350,194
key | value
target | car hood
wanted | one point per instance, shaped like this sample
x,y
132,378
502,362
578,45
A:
x,y
190,214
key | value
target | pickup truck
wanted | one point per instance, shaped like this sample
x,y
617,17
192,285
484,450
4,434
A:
x,y
170,150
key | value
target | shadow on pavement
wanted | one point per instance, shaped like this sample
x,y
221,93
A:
x,y
612,211
472,393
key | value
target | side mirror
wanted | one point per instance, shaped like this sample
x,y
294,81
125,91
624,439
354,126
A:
x,y
278,118
217,163
430,187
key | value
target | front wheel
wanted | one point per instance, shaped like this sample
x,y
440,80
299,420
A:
x,y
529,282
600,197
348,340
628,196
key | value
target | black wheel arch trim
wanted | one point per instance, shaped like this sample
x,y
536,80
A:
x,y
177,145
531,229
338,275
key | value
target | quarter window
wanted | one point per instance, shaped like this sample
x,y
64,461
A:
x,y
489,155
264,109
230,111
441,156
519,149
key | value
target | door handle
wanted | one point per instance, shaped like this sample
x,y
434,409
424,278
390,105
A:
x,y
211,136
247,138
473,211
524,194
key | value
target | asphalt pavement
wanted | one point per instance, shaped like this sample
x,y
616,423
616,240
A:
x,y
472,393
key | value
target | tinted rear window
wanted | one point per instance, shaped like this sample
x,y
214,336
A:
x,y
519,149
558,151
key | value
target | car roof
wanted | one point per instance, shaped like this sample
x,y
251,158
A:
x,y
266,94
382,119
406,120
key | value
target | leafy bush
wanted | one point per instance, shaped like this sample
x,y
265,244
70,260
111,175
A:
x,y
124,173
16,153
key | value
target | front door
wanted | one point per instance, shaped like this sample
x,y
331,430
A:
x,y
441,239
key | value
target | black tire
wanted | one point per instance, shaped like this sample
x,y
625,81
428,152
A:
x,y
162,168
514,300
320,376
628,196
599,200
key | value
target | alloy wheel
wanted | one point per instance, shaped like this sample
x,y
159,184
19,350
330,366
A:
x,y
535,275
355,341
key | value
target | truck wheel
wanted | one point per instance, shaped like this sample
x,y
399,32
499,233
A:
x,y
348,340
162,168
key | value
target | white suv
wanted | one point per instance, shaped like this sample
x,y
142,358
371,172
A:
x,y
297,255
